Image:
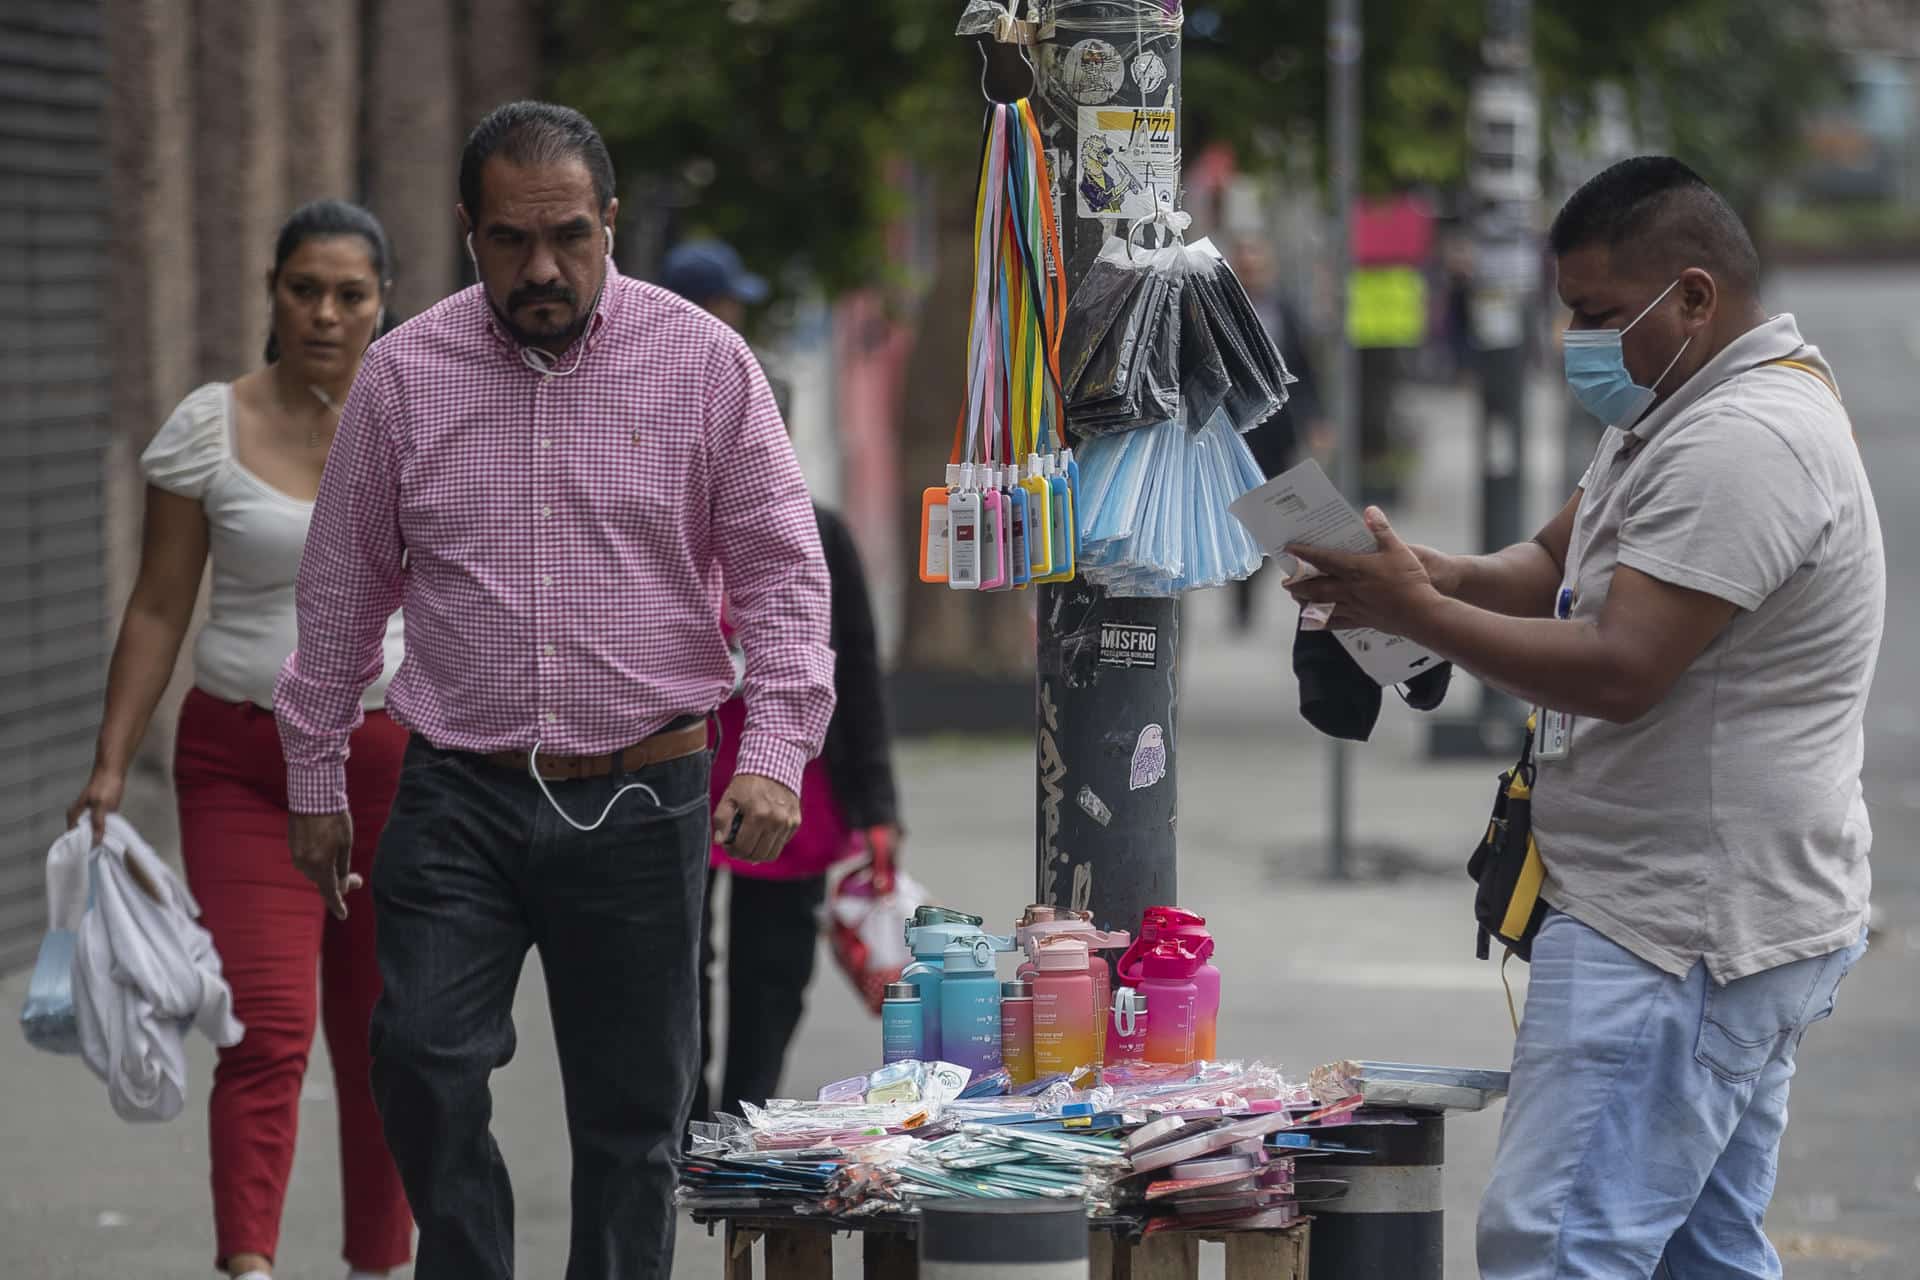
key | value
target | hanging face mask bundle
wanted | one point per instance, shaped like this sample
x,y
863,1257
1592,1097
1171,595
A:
x,y
1005,517
1154,512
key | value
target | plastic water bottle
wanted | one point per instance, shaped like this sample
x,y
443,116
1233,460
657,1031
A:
x,y
1043,922
1016,1031
1064,1012
970,1006
1167,980
1160,923
902,1023
1127,1037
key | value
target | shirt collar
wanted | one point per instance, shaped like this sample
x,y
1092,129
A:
x,y
604,310
1774,340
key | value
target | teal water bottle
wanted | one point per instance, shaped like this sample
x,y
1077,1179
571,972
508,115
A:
x,y
928,931
970,1006
901,1024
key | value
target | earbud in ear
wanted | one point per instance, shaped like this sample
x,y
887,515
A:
x,y
609,231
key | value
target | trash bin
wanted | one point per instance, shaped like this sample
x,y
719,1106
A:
x,y
1003,1240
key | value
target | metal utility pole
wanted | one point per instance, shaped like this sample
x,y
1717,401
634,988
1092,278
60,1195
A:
x,y
1108,694
1345,42
1504,184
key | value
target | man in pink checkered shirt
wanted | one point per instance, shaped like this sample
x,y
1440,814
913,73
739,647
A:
x,y
553,473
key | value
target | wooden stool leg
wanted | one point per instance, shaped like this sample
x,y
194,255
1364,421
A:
x,y
1103,1256
738,1261
886,1256
1168,1256
804,1254
1267,1255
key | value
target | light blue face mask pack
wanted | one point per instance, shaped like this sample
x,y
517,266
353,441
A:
x,y
1597,374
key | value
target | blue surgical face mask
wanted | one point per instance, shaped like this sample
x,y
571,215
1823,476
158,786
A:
x,y
1597,371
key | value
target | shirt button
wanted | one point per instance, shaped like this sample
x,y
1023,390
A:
x,y
546,579
545,512
546,442
552,718
548,651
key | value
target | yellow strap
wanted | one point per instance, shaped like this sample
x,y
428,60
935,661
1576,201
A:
x,y
1807,368
1824,381
1526,892
1513,1015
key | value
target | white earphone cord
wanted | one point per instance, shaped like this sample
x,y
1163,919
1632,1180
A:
x,y
533,771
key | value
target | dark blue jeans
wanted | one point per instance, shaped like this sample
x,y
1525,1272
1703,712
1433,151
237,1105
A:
x,y
474,868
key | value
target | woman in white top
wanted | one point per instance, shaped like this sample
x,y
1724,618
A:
x,y
232,477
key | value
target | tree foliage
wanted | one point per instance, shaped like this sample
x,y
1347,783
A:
x,y
774,121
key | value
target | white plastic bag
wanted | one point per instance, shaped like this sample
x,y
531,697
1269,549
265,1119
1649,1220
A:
x,y
866,919
48,1017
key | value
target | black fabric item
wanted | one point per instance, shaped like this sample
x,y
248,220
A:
x,y
1336,696
1341,700
1426,691
859,746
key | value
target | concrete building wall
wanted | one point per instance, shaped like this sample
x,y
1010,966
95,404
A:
x,y
223,115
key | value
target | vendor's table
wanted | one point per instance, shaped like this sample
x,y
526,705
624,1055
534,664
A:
x,y
800,1247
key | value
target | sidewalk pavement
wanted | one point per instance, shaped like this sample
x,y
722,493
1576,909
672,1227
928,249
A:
x,y
1314,970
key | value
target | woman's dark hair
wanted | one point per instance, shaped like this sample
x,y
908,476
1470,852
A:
x,y
319,219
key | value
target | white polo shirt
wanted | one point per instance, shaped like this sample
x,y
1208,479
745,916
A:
x,y
1728,824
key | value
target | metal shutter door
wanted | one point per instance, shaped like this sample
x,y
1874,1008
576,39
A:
x,y
53,433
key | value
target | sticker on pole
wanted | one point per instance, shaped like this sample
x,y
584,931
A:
x,y
1149,72
1093,806
1129,162
1125,645
1091,72
1149,759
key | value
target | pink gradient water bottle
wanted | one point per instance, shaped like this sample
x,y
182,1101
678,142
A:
x,y
1127,1037
1167,971
1063,1008
1161,923
1043,922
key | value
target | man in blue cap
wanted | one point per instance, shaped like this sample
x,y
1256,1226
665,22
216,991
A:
x,y
709,274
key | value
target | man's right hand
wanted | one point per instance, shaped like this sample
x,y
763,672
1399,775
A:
x,y
322,845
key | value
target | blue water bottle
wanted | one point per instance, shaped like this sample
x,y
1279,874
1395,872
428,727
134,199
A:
x,y
928,932
901,1023
970,1006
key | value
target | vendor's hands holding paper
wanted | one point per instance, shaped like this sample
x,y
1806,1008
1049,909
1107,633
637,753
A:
x,y
1383,589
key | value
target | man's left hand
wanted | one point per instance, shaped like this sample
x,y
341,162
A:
x,y
1385,589
755,818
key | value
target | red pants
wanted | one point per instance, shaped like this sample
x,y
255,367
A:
x,y
273,933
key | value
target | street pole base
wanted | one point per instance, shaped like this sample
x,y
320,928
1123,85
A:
x,y
1475,739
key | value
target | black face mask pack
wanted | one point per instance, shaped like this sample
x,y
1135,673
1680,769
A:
x,y
1341,700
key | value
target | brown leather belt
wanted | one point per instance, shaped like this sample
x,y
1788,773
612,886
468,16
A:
x,y
672,744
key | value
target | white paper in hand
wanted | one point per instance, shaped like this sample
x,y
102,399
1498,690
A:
x,y
1302,508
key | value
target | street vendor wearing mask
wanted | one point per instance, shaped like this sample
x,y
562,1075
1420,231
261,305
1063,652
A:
x,y
1698,629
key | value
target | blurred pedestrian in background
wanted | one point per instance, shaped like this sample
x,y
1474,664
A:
x,y
555,471
232,476
710,275
849,801
1278,442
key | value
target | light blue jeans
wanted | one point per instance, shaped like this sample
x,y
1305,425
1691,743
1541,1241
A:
x,y
1644,1121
